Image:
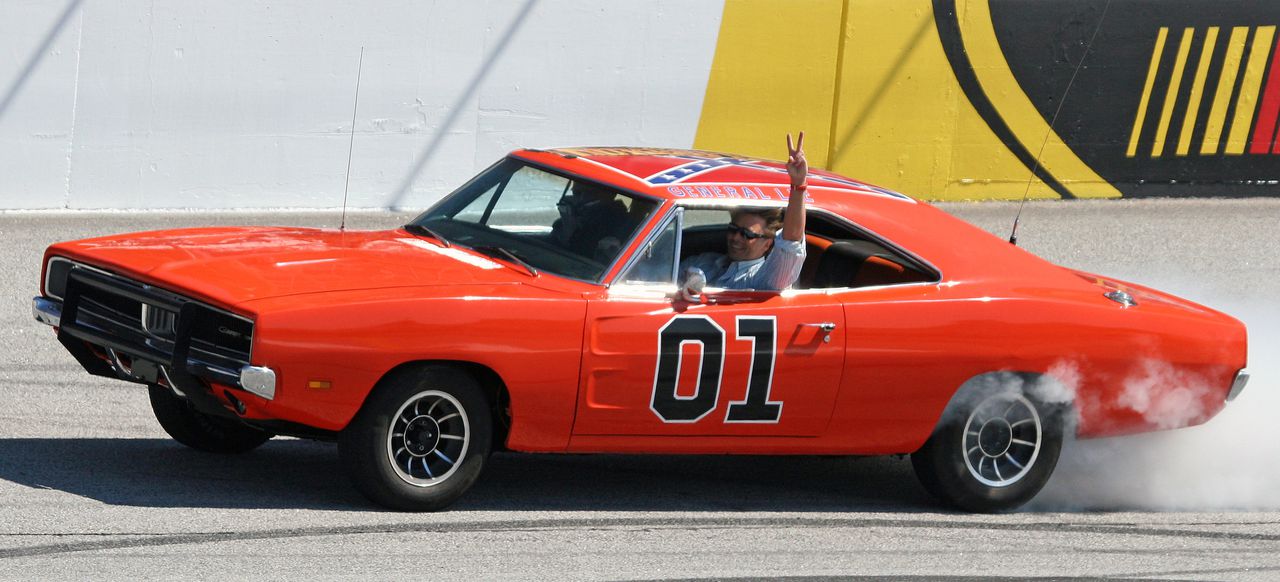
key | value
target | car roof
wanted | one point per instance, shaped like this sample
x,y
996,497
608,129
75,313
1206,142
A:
x,y
959,249
695,175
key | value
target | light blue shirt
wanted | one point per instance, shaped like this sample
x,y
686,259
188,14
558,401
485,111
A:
x,y
777,270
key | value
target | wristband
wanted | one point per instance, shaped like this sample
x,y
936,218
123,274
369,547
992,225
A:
x,y
802,187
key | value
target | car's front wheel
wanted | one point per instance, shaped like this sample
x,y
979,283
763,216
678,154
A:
x,y
421,439
201,431
993,450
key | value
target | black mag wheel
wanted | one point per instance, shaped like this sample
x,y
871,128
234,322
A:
x,y
421,439
201,431
992,452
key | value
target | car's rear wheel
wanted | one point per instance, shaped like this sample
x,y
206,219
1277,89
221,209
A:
x,y
420,441
992,451
201,431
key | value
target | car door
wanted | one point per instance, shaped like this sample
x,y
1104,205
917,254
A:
x,y
737,363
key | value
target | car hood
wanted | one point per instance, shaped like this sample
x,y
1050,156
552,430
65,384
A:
x,y
235,265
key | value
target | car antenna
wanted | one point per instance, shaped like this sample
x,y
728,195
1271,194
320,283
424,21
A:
x,y
1013,235
342,225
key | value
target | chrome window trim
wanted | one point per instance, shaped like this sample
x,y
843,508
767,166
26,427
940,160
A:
x,y
676,213
675,267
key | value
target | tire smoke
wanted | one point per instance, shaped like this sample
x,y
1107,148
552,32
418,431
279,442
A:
x,y
1228,463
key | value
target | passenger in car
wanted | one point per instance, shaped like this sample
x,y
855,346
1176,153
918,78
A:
x,y
765,246
593,222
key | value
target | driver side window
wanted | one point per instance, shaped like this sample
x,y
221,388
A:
x,y
837,256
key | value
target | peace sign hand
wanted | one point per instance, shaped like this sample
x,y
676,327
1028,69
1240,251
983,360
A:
x,y
797,166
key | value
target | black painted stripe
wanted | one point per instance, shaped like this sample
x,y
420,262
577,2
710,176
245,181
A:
x,y
136,540
944,16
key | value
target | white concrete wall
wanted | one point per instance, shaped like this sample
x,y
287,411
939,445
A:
x,y
246,104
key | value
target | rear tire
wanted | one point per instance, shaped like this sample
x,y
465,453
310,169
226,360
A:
x,y
420,441
200,431
992,451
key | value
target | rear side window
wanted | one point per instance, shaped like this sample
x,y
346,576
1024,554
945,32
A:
x,y
840,256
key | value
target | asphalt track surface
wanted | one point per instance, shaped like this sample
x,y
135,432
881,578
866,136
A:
x,y
91,488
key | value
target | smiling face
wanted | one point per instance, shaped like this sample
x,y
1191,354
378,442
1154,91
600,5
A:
x,y
742,248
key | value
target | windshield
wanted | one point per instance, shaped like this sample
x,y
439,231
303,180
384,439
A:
x,y
568,227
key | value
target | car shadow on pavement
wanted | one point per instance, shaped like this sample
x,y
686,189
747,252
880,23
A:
x,y
297,474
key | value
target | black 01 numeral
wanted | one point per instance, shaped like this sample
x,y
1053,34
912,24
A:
x,y
700,329
756,407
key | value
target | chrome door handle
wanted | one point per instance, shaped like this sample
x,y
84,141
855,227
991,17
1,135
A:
x,y
827,327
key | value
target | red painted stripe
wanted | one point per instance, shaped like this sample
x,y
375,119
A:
x,y
1270,109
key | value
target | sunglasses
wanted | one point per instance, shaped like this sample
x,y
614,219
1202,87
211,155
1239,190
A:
x,y
747,234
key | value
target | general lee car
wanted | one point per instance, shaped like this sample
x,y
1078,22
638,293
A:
x,y
485,323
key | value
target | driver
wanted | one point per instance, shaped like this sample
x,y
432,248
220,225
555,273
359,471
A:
x,y
765,246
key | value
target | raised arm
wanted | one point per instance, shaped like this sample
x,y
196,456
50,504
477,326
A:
x,y
798,169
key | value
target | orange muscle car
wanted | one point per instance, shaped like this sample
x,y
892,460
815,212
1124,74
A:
x,y
541,307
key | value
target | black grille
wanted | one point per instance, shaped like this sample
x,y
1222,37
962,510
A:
x,y
160,323
145,322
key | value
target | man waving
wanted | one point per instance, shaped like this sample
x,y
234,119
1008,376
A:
x,y
765,245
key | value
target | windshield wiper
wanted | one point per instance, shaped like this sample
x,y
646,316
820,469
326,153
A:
x,y
420,230
492,250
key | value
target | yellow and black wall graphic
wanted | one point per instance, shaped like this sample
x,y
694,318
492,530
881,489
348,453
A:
x,y
953,99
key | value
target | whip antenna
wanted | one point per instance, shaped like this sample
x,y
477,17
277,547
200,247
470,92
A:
x,y
1013,236
342,225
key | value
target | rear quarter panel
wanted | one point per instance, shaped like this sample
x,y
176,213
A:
x,y
1148,367
1164,363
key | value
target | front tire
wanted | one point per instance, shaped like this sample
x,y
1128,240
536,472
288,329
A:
x,y
420,441
993,451
200,431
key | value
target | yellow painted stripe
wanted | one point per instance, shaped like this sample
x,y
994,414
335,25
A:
x,y
784,88
1015,108
1247,102
1197,91
1222,97
1146,91
1171,95
903,121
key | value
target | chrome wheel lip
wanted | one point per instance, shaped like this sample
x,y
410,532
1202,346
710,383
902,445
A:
x,y
972,452
427,399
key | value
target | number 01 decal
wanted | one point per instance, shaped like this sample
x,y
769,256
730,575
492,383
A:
x,y
683,330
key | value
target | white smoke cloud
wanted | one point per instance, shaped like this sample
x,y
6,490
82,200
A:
x,y
1230,463
1164,396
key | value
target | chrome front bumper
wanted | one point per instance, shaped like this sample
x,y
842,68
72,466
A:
x,y
47,311
258,380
